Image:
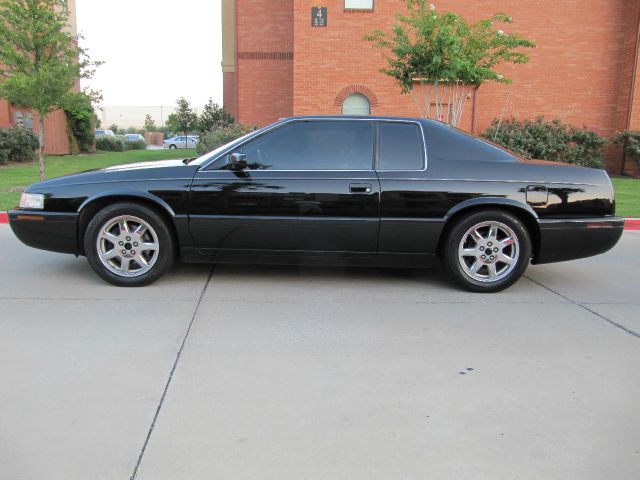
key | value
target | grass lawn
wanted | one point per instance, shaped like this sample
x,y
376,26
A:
x,y
16,177
627,197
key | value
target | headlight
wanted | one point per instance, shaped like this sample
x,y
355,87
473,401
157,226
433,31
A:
x,y
32,200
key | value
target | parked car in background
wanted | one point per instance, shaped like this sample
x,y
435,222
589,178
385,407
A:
x,y
104,133
181,142
134,137
377,191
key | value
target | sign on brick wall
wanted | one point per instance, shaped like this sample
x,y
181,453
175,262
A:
x,y
318,16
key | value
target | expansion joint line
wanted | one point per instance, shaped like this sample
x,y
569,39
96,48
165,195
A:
x,y
584,307
173,369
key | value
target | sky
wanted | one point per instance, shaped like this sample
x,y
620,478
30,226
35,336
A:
x,y
154,50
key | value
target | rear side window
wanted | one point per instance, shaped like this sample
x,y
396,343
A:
x,y
313,145
445,143
400,146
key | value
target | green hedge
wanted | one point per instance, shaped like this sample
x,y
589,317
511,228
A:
x,y
116,143
137,145
111,143
17,144
549,140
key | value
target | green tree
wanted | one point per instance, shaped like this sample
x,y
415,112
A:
x,y
184,119
114,128
213,117
149,124
446,56
81,119
42,60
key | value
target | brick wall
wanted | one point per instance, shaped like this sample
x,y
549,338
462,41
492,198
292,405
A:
x,y
580,72
264,66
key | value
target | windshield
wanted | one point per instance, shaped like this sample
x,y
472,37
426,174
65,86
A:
x,y
209,155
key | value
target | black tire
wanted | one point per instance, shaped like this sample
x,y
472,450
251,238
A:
x,y
172,147
148,254
499,263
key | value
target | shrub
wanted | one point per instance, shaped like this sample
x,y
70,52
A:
x,y
4,157
630,142
81,119
211,140
110,143
18,144
546,140
584,149
136,145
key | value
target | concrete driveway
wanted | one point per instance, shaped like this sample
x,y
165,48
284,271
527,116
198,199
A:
x,y
285,373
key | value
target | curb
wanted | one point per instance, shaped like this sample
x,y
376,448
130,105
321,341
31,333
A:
x,y
629,223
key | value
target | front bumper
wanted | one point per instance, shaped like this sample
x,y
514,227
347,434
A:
x,y
56,232
568,239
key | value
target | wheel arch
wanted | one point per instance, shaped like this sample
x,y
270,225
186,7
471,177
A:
x,y
523,212
94,204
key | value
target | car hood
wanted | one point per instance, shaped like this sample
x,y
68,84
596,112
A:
x,y
158,170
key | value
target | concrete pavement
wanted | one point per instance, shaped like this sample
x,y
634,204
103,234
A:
x,y
278,372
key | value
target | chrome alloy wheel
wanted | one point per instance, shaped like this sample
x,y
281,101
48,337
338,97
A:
x,y
488,251
128,246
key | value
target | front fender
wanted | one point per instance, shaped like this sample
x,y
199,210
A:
x,y
128,194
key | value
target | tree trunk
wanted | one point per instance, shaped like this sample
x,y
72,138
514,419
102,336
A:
x,y
41,141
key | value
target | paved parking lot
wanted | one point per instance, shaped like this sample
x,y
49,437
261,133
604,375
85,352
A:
x,y
285,373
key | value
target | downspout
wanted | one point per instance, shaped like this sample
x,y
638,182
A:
x,y
235,55
631,94
633,74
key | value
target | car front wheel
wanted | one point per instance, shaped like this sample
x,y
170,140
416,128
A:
x,y
129,245
487,251
172,147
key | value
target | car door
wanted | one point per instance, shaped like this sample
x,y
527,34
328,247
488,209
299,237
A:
x,y
309,189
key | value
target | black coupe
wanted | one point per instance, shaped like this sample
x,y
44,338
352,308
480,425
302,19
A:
x,y
329,190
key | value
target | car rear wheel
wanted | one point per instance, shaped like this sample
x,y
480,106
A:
x,y
128,244
487,251
172,147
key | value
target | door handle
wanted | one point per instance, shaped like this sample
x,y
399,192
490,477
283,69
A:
x,y
360,187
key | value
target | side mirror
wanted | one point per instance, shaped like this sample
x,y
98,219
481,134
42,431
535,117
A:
x,y
237,161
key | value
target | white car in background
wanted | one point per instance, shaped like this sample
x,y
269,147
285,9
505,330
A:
x,y
104,133
134,137
181,142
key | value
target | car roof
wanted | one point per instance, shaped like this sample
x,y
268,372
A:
x,y
357,117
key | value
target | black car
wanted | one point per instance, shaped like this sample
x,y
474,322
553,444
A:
x,y
382,191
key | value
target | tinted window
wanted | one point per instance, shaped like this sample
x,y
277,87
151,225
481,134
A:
x,y
449,144
313,145
400,147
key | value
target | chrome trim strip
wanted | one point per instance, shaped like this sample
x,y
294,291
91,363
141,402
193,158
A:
x,y
267,218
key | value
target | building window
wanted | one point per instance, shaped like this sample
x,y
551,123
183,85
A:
x,y
358,4
356,104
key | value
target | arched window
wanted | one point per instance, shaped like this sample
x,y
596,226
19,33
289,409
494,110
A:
x,y
356,104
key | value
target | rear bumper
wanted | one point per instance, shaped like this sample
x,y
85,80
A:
x,y
56,232
568,239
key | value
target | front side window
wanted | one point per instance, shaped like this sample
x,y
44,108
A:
x,y
400,146
313,145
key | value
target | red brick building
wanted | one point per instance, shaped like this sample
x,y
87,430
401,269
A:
x,y
585,70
